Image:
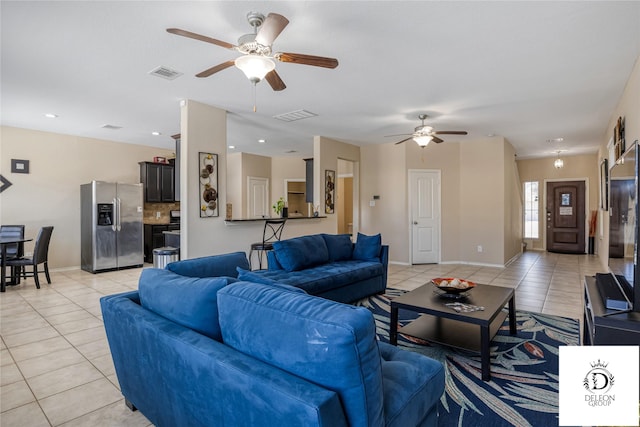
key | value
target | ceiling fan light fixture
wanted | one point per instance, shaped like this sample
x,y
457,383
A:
x,y
255,67
423,140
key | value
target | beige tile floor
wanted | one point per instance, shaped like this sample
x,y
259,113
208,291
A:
x,y
56,369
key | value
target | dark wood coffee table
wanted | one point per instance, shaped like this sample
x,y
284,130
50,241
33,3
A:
x,y
441,324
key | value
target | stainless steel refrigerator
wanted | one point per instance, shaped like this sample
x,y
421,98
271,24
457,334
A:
x,y
110,226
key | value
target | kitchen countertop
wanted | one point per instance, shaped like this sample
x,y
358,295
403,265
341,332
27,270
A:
x,y
160,222
262,219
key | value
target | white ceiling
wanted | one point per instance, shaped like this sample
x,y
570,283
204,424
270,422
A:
x,y
528,71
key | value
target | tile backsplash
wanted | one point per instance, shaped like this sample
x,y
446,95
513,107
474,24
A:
x,y
151,209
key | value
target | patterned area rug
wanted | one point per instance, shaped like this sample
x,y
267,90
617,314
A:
x,y
523,390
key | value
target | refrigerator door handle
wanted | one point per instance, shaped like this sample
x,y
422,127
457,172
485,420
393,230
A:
x,y
115,213
119,227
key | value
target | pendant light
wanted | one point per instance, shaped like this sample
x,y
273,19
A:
x,y
558,163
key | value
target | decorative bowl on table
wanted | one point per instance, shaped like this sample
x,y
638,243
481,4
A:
x,y
452,285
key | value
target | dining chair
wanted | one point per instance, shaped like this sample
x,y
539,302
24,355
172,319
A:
x,y
271,233
40,256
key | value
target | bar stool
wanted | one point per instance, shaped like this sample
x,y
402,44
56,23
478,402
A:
x,y
271,233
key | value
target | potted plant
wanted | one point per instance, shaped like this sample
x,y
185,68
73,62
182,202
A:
x,y
280,208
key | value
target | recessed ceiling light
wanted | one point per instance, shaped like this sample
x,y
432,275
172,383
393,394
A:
x,y
232,147
555,140
262,141
156,133
491,135
50,115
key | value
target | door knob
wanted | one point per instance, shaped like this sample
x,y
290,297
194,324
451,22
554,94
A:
x,y
415,222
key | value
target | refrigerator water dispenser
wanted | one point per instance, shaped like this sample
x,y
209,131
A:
x,y
105,214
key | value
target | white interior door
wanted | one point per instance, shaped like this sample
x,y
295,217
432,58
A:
x,y
257,197
424,220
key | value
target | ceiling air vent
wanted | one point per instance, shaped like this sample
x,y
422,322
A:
x,y
295,115
111,127
165,73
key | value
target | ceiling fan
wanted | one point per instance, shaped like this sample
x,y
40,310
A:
x,y
423,134
257,60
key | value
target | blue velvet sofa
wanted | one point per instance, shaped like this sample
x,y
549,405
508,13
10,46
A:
x,y
215,351
327,265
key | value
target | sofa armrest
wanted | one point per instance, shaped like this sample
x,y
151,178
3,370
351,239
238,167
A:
x,y
211,266
176,376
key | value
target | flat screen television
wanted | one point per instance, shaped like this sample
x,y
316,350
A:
x,y
624,273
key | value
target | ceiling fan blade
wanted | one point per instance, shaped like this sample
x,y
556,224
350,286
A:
x,y
275,81
406,139
184,33
437,140
271,28
399,134
298,58
451,132
213,70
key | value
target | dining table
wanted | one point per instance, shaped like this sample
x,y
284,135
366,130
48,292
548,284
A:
x,y
4,242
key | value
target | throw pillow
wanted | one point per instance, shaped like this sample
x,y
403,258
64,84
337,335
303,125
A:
x,y
367,248
339,246
301,252
188,301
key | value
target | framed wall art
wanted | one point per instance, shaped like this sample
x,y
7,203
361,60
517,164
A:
x,y
329,191
19,166
208,175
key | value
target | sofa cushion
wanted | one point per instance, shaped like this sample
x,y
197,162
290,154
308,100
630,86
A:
x,y
321,278
188,301
210,266
339,246
328,343
367,248
301,252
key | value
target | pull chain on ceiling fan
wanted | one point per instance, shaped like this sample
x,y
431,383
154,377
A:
x,y
257,62
424,134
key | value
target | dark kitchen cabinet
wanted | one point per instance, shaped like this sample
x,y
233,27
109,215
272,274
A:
x,y
154,238
158,180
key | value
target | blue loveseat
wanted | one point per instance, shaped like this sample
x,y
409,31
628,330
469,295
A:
x,y
327,265
215,351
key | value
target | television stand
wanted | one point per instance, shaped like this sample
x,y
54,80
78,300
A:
x,y
603,326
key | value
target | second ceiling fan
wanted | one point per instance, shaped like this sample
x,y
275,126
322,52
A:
x,y
424,134
257,60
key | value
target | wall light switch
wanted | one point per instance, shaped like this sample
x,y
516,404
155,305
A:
x,y
479,248
372,203
158,215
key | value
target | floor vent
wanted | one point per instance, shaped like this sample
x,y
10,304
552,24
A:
x,y
295,115
165,73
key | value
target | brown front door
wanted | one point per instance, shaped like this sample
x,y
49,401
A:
x,y
565,217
